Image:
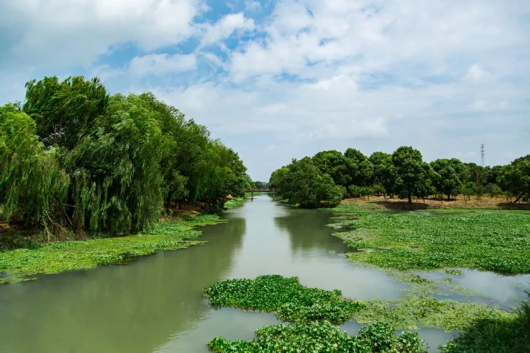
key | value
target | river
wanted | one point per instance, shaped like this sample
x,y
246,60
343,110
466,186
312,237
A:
x,y
155,304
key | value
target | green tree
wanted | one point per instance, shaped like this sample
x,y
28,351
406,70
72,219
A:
x,y
336,165
384,171
448,180
515,177
411,173
362,168
66,111
308,187
33,186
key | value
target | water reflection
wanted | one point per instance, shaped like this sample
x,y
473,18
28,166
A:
x,y
132,308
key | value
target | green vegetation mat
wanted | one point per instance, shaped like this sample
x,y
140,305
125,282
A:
x,y
290,300
19,265
492,241
322,337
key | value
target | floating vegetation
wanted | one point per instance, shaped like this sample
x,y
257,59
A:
x,y
416,311
322,337
290,300
18,265
498,242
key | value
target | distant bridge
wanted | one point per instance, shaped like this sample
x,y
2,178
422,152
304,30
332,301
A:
x,y
263,190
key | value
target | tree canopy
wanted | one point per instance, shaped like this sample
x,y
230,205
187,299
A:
x,y
74,156
406,175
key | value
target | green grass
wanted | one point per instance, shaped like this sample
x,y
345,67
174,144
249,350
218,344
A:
x,y
322,337
290,300
493,241
239,201
23,264
495,334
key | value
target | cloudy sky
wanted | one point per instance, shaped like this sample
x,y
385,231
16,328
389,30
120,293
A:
x,y
283,79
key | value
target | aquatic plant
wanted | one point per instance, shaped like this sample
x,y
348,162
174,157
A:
x,y
23,264
415,311
290,300
497,242
322,337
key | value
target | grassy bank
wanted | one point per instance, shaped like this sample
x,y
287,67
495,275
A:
x,y
24,264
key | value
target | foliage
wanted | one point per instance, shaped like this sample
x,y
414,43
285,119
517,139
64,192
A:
x,y
404,174
515,177
449,176
304,184
495,334
57,257
33,186
76,158
496,242
410,171
285,296
322,337
364,169
336,165
236,202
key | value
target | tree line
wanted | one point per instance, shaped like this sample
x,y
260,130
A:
x,y
73,156
329,176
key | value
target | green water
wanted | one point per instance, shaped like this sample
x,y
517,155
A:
x,y
156,304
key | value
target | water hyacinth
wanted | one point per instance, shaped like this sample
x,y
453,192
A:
x,y
322,337
290,300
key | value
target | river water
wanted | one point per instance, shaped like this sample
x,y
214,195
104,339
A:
x,y
155,304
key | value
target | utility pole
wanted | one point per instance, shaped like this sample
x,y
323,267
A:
x,y
482,152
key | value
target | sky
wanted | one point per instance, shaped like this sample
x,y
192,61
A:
x,y
277,80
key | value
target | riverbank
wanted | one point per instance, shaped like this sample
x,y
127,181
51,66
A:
x,y
25,264
170,234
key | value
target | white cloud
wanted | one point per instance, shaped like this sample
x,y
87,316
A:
x,y
160,64
476,72
380,35
225,27
252,5
443,76
75,32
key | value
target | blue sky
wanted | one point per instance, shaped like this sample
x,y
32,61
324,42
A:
x,y
277,80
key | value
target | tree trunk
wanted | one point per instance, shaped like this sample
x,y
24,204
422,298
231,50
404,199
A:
x,y
410,197
517,200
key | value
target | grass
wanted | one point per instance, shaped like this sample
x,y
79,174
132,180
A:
x,y
290,300
495,335
23,264
238,201
495,241
322,337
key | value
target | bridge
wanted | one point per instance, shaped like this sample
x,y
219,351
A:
x,y
263,190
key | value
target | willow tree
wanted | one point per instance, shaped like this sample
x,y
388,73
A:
x,y
33,186
66,111
117,183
